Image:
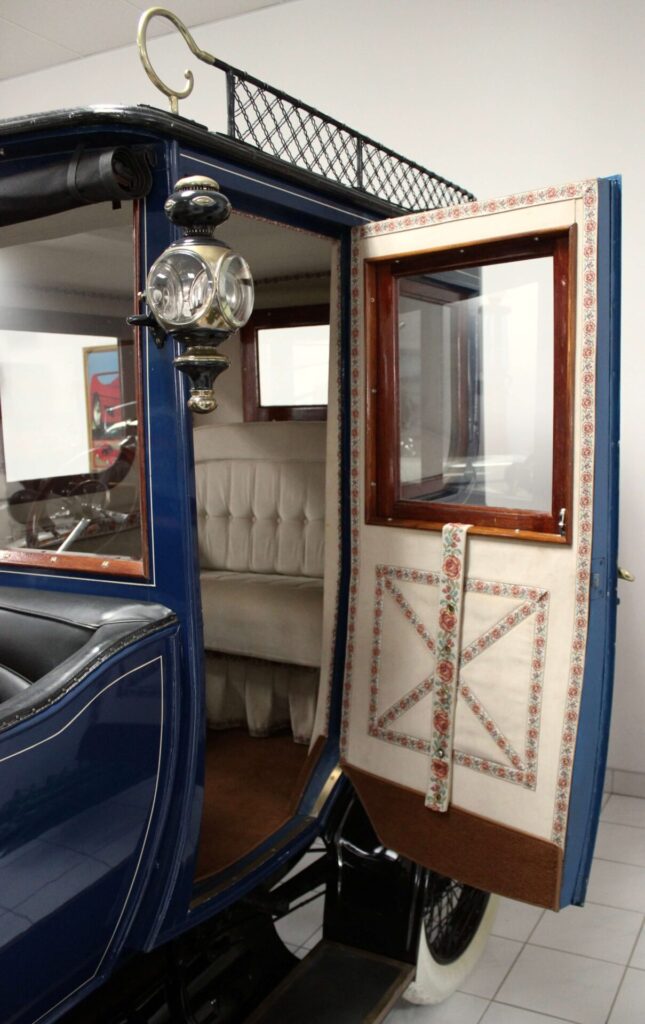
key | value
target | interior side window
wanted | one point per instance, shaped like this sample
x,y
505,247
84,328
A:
x,y
285,363
469,391
70,440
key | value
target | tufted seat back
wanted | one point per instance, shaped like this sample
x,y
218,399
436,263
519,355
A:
x,y
260,497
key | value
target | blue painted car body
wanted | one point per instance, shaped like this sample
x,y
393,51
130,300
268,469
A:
x,y
101,792
118,761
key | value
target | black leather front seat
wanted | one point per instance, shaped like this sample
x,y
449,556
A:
x,y
50,641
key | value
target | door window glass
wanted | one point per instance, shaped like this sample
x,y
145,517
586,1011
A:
x,y
70,492
476,386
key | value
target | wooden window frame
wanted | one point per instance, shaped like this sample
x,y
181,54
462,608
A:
x,y
384,506
285,316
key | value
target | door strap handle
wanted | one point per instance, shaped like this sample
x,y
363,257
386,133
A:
x,y
445,681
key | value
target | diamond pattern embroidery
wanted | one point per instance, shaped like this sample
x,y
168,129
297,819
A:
x,y
530,605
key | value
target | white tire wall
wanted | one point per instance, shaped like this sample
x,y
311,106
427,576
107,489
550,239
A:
x,y
435,982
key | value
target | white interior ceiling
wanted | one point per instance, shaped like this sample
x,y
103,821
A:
x,y
67,256
37,34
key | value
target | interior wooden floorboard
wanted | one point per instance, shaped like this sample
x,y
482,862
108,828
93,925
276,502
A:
x,y
251,788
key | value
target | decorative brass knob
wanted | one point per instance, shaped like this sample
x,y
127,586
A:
x,y
197,205
625,574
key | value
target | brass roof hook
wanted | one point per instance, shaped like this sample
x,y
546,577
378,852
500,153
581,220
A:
x,y
174,95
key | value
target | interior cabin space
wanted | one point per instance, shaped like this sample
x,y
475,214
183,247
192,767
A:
x,y
260,463
72,482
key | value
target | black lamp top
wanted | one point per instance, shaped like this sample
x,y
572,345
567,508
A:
x,y
197,205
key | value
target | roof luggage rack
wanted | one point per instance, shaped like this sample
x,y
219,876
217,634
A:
x,y
286,128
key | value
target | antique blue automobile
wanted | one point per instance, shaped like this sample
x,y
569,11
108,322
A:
x,y
356,594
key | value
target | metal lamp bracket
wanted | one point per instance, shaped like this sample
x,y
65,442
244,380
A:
x,y
147,320
174,95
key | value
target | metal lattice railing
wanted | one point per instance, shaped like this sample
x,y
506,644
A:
x,y
290,130
293,131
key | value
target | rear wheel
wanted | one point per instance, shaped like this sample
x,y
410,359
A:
x,y
457,921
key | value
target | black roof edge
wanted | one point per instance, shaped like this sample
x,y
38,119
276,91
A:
x,y
174,126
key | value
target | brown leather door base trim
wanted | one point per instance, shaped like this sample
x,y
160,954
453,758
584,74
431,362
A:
x,y
475,850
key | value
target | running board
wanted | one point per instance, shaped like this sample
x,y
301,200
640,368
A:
x,y
336,984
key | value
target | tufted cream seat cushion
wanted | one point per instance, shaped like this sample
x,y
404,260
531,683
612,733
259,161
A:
x,y
278,618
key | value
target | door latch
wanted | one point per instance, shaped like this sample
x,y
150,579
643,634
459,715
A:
x,y
562,522
625,574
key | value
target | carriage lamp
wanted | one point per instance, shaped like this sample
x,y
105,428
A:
x,y
199,291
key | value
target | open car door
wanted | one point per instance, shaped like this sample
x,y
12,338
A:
x,y
483,468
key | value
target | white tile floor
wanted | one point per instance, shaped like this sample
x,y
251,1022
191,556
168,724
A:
x,y
576,967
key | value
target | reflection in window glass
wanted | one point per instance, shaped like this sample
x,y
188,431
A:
x,y
475,353
293,365
69,477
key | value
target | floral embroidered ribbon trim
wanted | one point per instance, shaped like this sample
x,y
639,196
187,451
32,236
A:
x,y
447,646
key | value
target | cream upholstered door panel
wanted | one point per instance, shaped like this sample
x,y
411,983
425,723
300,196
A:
x,y
519,655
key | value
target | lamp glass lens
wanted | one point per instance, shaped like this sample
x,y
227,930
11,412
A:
x,y
180,288
235,290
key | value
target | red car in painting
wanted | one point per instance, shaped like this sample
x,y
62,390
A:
x,y
106,401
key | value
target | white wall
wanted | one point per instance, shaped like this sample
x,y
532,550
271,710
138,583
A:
x,y
499,95
48,437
